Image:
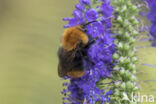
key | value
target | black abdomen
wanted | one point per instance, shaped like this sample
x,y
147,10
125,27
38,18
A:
x,y
69,61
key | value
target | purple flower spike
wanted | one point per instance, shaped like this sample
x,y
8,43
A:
x,y
106,9
85,2
78,15
85,90
91,15
79,7
72,22
96,29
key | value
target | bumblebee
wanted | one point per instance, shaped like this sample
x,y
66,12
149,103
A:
x,y
74,46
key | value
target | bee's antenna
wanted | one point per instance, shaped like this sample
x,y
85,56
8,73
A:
x,y
85,24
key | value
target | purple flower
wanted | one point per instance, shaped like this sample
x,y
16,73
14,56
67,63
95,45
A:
x,y
106,9
95,29
85,2
107,23
79,7
72,22
78,15
91,15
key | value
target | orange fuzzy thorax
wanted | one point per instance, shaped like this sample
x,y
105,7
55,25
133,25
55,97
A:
x,y
72,36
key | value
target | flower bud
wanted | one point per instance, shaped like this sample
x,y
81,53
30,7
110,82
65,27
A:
x,y
121,60
128,3
131,54
136,88
135,22
123,85
117,9
132,19
116,67
120,46
134,59
132,40
132,67
133,8
122,71
126,23
117,92
126,47
116,41
124,8
127,36
127,60
133,78
117,84
129,85
119,19
134,33
116,56
134,72
127,74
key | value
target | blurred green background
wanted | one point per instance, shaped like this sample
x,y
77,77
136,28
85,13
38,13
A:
x,y
30,32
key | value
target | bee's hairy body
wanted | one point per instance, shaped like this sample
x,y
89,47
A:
x,y
71,52
74,46
70,64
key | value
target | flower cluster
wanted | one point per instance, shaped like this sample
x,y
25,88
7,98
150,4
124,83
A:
x,y
126,25
89,88
152,17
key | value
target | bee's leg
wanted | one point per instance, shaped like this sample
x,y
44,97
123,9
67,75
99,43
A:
x,y
91,42
86,57
91,63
